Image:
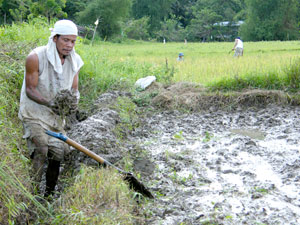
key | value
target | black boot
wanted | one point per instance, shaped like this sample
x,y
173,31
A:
x,y
51,176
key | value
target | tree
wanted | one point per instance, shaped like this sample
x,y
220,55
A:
x,y
22,11
75,6
271,20
202,25
171,30
156,10
48,8
109,12
137,29
182,11
14,10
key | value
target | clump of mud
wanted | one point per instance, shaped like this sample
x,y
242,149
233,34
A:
x,y
65,104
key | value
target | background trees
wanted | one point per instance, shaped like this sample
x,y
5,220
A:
x,y
109,12
173,20
271,20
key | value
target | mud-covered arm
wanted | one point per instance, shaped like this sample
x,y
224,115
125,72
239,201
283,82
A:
x,y
32,79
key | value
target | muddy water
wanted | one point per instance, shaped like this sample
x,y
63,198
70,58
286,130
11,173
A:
x,y
238,167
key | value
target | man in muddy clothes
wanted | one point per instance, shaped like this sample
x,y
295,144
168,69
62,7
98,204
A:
x,y
49,70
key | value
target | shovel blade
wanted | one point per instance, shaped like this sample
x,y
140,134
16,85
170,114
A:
x,y
137,185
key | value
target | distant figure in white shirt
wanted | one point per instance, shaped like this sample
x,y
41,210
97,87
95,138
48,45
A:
x,y
238,47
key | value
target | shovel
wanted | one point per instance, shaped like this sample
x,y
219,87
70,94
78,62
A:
x,y
133,182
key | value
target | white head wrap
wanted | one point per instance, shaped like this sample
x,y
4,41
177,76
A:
x,y
61,27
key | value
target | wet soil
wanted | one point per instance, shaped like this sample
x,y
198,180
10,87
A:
x,y
216,166
221,167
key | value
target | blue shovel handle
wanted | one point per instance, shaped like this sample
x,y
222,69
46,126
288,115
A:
x,y
57,135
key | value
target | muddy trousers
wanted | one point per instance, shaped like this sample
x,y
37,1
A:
x,y
52,173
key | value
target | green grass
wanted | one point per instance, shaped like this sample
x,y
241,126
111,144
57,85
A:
x,y
97,197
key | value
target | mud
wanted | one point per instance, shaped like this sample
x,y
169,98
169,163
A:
x,y
235,166
221,167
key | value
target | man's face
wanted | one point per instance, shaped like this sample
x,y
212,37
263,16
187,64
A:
x,y
65,44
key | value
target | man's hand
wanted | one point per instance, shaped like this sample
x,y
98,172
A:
x,y
65,102
55,107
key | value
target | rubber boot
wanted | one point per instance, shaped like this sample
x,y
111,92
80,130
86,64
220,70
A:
x,y
38,161
51,176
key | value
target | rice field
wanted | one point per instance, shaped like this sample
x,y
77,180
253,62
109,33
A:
x,y
203,62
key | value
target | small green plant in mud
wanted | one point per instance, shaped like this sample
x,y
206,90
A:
x,y
178,136
174,176
228,217
183,180
260,190
208,136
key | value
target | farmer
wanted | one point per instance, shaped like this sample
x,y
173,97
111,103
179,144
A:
x,y
180,57
48,70
238,47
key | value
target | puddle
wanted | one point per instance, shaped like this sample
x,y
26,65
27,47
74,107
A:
x,y
255,134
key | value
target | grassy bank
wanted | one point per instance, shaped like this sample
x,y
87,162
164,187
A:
x,y
267,65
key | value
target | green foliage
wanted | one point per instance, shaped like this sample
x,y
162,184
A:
x,y
75,6
110,14
156,10
202,25
20,13
171,30
137,29
48,8
36,30
271,20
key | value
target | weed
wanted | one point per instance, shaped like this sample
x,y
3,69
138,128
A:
x,y
260,190
178,136
207,137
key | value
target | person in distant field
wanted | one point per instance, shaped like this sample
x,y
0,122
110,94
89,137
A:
x,y
180,57
238,47
49,70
